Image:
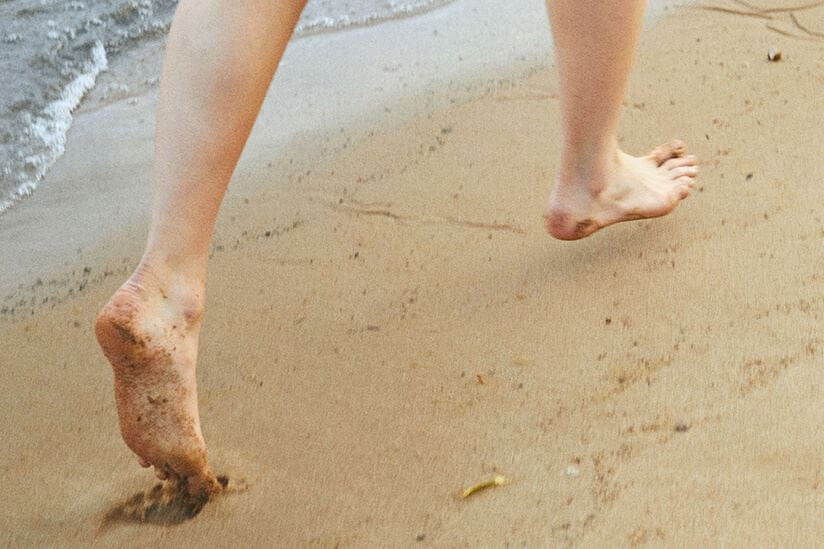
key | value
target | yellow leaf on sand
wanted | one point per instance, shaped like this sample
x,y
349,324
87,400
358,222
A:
x,y
497,480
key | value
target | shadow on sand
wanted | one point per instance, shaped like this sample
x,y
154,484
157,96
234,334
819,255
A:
x,y
164,504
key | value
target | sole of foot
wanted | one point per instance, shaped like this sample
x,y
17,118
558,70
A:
x,y
150,339
629,188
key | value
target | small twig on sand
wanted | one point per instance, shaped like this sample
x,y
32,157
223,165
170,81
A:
x,y
792,8
798,24
791,35
763,13
782,32
760,15
746,5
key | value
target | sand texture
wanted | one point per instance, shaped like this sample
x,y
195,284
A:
x,y
388,324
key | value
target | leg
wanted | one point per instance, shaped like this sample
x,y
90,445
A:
x,y
220,61
597,184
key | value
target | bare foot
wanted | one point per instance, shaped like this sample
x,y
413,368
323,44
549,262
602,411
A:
x,y
625,188
149,333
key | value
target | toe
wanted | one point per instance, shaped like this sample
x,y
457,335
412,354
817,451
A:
x,y
192,468
672,163
203,484
686,181
682,192
684,171
665,152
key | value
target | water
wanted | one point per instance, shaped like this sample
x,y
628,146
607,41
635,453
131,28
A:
x,y
52,51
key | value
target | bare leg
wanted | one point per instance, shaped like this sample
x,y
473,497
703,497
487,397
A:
x,y
597,184
220,61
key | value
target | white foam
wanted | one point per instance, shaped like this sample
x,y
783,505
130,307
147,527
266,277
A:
x,y
53,127
396,10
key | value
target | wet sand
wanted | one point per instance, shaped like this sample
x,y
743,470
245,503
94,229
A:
x,y
387,323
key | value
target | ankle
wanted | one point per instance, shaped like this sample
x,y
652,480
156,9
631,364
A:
x,y
586,168
182,291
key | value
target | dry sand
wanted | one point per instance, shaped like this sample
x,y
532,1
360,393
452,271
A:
x,y
365,276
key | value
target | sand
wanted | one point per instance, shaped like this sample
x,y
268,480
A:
x,y
655,384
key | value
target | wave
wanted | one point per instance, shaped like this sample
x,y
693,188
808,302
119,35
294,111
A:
x,y
52,128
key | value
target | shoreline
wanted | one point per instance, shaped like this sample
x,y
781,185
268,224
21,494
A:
x,y
141,31
309,62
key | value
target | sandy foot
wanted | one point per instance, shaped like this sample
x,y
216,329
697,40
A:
x,y
149,334
630,188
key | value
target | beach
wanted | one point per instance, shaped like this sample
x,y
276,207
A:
x,y
66,55
388,323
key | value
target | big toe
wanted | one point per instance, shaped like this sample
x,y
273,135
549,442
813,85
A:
x,y
192,467
673,149
682,189
203,484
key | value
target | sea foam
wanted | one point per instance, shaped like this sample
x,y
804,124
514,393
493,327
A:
x,y
52,128
318,17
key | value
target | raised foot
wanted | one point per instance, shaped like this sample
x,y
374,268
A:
x,y
149,335
626,188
